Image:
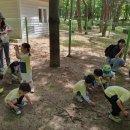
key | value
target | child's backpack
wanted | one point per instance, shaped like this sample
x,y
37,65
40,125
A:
x,y
108,50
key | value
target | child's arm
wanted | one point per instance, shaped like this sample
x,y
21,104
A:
x,y
121,106
17,51
11,104
14,76
101,84
28,99
87,99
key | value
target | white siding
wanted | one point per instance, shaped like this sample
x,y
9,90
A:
x,y
29,8
10,10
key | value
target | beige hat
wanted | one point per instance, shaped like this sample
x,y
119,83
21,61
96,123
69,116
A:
x,y
1,16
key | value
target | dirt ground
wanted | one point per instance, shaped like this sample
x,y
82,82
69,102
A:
x,y
53,105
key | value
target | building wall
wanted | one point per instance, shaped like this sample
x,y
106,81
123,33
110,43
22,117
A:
x,y
10,10
29,9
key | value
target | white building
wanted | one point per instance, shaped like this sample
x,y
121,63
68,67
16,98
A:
x,y
37,12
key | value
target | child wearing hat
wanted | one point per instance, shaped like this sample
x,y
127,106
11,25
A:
x,y
117,96
80,90
108,74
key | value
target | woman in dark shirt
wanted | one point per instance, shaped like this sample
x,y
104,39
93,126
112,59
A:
x,y
115,59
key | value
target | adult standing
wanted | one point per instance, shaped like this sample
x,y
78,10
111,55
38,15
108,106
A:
x,y
4,31
114,58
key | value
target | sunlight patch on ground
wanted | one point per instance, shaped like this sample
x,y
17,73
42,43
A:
x,y
94,128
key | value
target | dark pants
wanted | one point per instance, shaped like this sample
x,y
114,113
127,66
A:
x,y
6,51
19,100
115,108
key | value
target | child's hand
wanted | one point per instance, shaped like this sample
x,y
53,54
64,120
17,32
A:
x,y
16,107
126,113
4,32
16,47
92,104
123,49
31,103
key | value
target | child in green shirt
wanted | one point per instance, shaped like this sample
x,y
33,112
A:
x,y
117,96
25,65
15,97
80,90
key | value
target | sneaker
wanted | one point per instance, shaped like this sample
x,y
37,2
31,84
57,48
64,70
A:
x,y
117,119
1,90
79,99
24,103
17,111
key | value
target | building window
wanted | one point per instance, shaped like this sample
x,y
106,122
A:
x,y
42,15
45,15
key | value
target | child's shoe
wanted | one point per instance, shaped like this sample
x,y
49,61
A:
x,y
1,90
17,111
117,119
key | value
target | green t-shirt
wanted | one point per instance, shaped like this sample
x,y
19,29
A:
x,y
81,87
13,95
122,93
25,63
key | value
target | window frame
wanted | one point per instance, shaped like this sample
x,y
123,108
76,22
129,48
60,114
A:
x,y
42,15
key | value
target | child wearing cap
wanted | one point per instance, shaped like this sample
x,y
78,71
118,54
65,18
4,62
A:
x,y
108,74
117,96
15,97
80,89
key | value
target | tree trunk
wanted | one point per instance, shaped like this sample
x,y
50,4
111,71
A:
x,y
79,16
104,29
93,9
86,16
66,10
117,13
71,9
54,33
101,17
106,11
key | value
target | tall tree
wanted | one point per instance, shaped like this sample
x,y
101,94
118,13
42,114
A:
x,y
79,16
117,12
86,16
106,15
66,9
71,8
54,33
